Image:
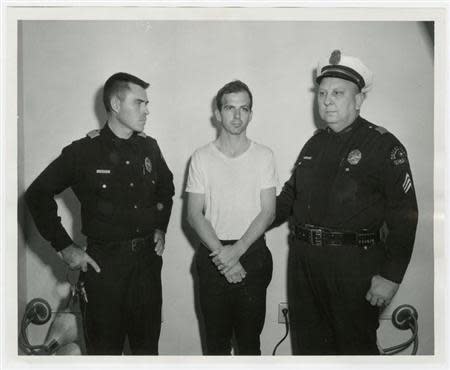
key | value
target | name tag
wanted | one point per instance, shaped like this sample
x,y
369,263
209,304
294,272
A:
x,y
103,171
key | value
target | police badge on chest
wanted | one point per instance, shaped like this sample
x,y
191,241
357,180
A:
x,y
147,167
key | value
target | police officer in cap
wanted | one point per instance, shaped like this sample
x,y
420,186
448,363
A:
x,y
125,189
352,180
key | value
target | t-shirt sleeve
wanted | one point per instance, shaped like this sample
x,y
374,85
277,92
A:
x,y
196,182
269,174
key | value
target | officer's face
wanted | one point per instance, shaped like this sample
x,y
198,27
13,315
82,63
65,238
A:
x,y
235,114
339,102
132,108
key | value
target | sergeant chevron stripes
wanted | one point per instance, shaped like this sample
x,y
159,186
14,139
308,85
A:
x,y
407,184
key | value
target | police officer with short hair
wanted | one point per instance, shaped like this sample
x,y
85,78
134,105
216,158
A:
x,y
352,179
125,189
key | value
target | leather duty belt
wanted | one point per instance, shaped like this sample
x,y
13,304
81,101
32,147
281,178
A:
x,y
320,236
134,245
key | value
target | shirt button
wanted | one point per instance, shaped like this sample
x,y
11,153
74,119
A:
x,y
347,169
153,181
104,186
127,162
131,184
135,206
138,230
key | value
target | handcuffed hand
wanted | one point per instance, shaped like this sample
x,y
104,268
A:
x,y
381,291
77,258
226,258
236,274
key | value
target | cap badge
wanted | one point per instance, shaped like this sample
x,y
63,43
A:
x,y
335,57
354,157
148,164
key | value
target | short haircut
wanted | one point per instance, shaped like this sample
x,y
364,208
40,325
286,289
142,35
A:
x,y
117,84
233,87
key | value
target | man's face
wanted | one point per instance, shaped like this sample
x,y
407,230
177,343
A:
x,y
235,114
339,102
132,108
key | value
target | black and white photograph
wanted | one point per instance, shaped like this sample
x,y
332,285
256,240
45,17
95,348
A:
x,y
195,183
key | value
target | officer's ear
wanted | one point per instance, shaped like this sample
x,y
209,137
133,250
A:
x,y
359,97
115,103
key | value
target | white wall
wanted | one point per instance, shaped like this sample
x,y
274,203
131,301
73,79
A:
x,y
64,64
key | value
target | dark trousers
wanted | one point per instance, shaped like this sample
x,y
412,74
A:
x,y
125,298
328,310
239,308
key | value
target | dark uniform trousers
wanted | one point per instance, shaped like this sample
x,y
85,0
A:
x,y
328,310
239,308
125,298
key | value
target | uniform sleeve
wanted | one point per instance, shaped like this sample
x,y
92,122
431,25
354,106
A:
x,y
401,213
165,190
58,176
196,182
269,175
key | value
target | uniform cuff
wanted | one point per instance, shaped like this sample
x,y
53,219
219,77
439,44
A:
x,y
63,241
393,272
163,211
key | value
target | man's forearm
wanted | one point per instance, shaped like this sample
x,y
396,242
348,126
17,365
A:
x,y
257,228
205,231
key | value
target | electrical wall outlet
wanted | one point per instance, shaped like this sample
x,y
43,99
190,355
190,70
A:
x,y
281,306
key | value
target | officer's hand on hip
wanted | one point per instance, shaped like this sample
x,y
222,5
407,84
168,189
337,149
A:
x,y
381,291
77,258
160,240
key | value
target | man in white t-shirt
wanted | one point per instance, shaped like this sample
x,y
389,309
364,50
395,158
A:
x,y
231,201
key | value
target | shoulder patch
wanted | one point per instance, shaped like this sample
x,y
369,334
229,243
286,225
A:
x,y
398,155
93,133
381,130
142,134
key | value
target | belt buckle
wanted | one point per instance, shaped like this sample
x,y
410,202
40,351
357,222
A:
x,y
366,239
316,237
136,243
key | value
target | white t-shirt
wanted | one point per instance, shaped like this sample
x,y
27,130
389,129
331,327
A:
x,y
231,186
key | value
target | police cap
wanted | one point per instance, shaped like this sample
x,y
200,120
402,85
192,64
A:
x,y
345,67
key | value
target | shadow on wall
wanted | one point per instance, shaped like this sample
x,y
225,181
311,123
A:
x,y
194,242
99,108
214,123
428,30
40,247
318,122
29,237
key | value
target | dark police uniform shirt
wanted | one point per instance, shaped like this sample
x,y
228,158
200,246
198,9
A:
x,y
124,186
356,179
